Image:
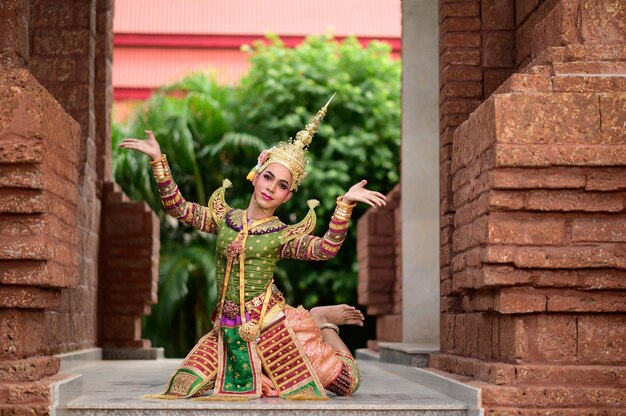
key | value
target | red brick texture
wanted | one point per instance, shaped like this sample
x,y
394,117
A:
x,y
62,35
538,256
477,39
129,257
38,238
103,93
533,203
380,282
38,165
14,39
55,104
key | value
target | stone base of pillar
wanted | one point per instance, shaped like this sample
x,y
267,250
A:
x,y
411,354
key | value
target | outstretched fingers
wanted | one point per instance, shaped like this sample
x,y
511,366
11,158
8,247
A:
x,y
131,144
374,200
379,195
150,134
148,146
370,202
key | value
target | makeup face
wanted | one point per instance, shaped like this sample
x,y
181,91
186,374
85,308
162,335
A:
x,y
272,186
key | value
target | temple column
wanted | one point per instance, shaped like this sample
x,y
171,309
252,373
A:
x,y
420,173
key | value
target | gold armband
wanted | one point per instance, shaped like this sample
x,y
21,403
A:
x,y
343,204
160,169
343,211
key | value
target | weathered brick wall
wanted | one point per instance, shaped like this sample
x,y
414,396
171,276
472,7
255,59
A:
x,y
539,193
476,55
54,160
103,92
38,199
32,269
129,257
14,52
533,292
63,40
380,274
129,234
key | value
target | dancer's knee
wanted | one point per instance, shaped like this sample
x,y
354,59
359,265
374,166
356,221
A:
x,y
349,378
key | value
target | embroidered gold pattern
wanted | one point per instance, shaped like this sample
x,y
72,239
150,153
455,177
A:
x,y
234,221
217,204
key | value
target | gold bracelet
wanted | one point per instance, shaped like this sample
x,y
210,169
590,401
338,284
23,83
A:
x,y
342,217
343,211
158,171
343,204
330,326
159,160
160,168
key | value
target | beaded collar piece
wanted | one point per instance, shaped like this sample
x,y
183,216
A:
x,y
234,220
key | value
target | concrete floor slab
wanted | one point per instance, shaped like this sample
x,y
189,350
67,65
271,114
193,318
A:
x,y
115,388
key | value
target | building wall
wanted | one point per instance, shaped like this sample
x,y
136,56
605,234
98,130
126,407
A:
x,y
380,268
55,101
63,40
38,204
476,55
533,205
157,42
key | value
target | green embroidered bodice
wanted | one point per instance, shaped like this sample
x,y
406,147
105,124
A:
x,y
265,244
262,252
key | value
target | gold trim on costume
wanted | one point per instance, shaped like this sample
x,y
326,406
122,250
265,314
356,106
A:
x,y
304,227
217,204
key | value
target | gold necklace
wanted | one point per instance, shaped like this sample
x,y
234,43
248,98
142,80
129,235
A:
x,y
248,331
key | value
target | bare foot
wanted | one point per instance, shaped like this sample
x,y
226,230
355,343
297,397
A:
x,y
337,314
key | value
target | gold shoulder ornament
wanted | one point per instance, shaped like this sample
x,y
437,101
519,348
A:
x,y
217,204
304,227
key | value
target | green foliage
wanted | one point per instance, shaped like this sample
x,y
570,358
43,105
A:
x,y
187,294
193,123
359,138
211,132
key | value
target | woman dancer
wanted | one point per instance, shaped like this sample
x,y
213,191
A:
x,y
258,345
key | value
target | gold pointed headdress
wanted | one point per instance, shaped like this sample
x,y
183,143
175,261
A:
x,y
293,154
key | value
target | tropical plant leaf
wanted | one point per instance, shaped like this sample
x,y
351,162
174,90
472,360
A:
x,y
211,132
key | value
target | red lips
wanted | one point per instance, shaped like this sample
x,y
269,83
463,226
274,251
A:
x,y
266,197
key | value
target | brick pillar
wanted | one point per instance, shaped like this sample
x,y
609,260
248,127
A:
x,y
103,89
14,52
129,272
536,299
497,50
38,205
380,279
63,49
477,54
461,90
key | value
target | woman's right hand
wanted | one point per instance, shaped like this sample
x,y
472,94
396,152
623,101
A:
x,y
147,146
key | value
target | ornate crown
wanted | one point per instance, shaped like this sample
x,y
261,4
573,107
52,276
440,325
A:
x,y
293,154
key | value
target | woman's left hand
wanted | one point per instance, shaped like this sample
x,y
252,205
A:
x,y
358,193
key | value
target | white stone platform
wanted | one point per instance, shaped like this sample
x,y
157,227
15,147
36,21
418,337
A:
x,y
115,388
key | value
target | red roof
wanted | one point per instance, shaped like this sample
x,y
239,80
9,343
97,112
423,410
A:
x,y
362,18
160,41
152,67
